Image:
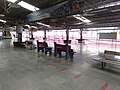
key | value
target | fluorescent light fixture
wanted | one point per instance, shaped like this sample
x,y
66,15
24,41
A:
x,y
106,5
81,18
110,4
12,1
2,21
103,28
34,27
79,23
43,24
27,25
88,9
27,6
116,10
88,14
2,15
98,10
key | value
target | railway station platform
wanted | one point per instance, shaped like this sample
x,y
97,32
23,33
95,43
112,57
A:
x,y
22,69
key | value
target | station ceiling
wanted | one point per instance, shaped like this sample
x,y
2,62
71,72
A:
x,y
101,13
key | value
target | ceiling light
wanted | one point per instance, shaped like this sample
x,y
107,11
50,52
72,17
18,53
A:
x,y
2,15
88,14
88,9
81,18
110,4
98,10
27,6
43,24
116,10
103,28
12,1
27,25
106,5
2,21
79,23
34,27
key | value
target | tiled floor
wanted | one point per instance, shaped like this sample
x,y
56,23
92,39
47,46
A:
x,y
22,69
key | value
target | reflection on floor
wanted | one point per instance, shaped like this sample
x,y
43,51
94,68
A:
x,y
22,69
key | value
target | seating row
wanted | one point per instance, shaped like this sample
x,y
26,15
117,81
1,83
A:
x,y
58,49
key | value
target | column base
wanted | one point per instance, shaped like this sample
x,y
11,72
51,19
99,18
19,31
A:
x,y
19,44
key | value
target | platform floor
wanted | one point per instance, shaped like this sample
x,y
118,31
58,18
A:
x,y
22,69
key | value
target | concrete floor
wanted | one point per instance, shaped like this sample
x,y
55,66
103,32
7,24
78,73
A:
x,y
22,69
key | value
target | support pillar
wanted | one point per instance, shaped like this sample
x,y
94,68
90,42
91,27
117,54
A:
x,y
31,35
19,30
67,46
44,41
55,49
81,35
44,35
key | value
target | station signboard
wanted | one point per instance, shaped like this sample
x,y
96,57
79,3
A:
x,y
42,14
64,8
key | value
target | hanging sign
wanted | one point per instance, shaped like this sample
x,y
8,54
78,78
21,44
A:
x,y
64,8
41,14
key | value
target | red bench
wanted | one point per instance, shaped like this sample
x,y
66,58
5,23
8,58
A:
x,y
43,46
62,48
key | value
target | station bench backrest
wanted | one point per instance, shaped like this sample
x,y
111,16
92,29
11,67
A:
x,y
62,47
41,44
110,54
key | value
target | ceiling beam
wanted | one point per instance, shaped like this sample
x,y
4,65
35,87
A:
x,y
92,6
